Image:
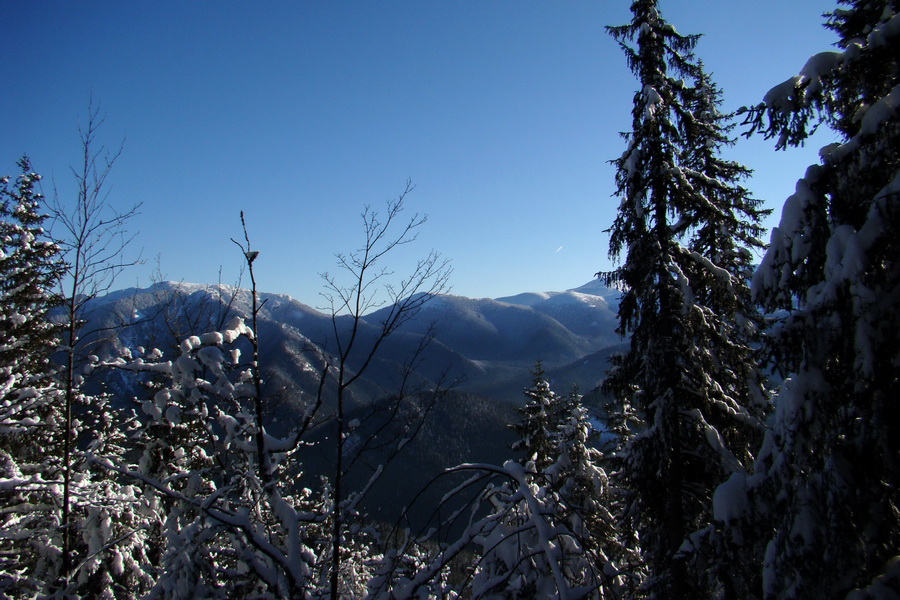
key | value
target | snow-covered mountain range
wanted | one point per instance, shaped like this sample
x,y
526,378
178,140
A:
x,y
488,345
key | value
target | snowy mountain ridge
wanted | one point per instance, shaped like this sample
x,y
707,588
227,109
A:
x,y
489,344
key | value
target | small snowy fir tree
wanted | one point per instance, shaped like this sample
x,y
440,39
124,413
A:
x,y
687,402
825,482
552,532
540,419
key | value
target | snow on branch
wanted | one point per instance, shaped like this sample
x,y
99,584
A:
x,y
716,442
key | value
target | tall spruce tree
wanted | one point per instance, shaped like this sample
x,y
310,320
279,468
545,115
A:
x,y
687,405
827,476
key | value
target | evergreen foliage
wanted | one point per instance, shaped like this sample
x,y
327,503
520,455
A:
x,y
29,413
540,419
688,400
826,478
105,558
30,266
558,497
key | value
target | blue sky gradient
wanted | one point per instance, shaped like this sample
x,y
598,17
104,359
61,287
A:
x,y
504,114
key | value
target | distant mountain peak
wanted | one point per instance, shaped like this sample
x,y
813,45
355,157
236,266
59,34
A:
x,y
596,287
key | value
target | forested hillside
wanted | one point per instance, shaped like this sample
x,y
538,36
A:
x,y
689,425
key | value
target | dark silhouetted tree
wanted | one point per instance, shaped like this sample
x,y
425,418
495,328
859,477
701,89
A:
x,y
688,400
825,481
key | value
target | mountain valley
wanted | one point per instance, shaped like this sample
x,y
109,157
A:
x,y
482,353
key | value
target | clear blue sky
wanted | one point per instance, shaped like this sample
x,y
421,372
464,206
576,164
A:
x,y
504,114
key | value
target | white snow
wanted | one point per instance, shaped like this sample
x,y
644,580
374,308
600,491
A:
x,y
730,499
